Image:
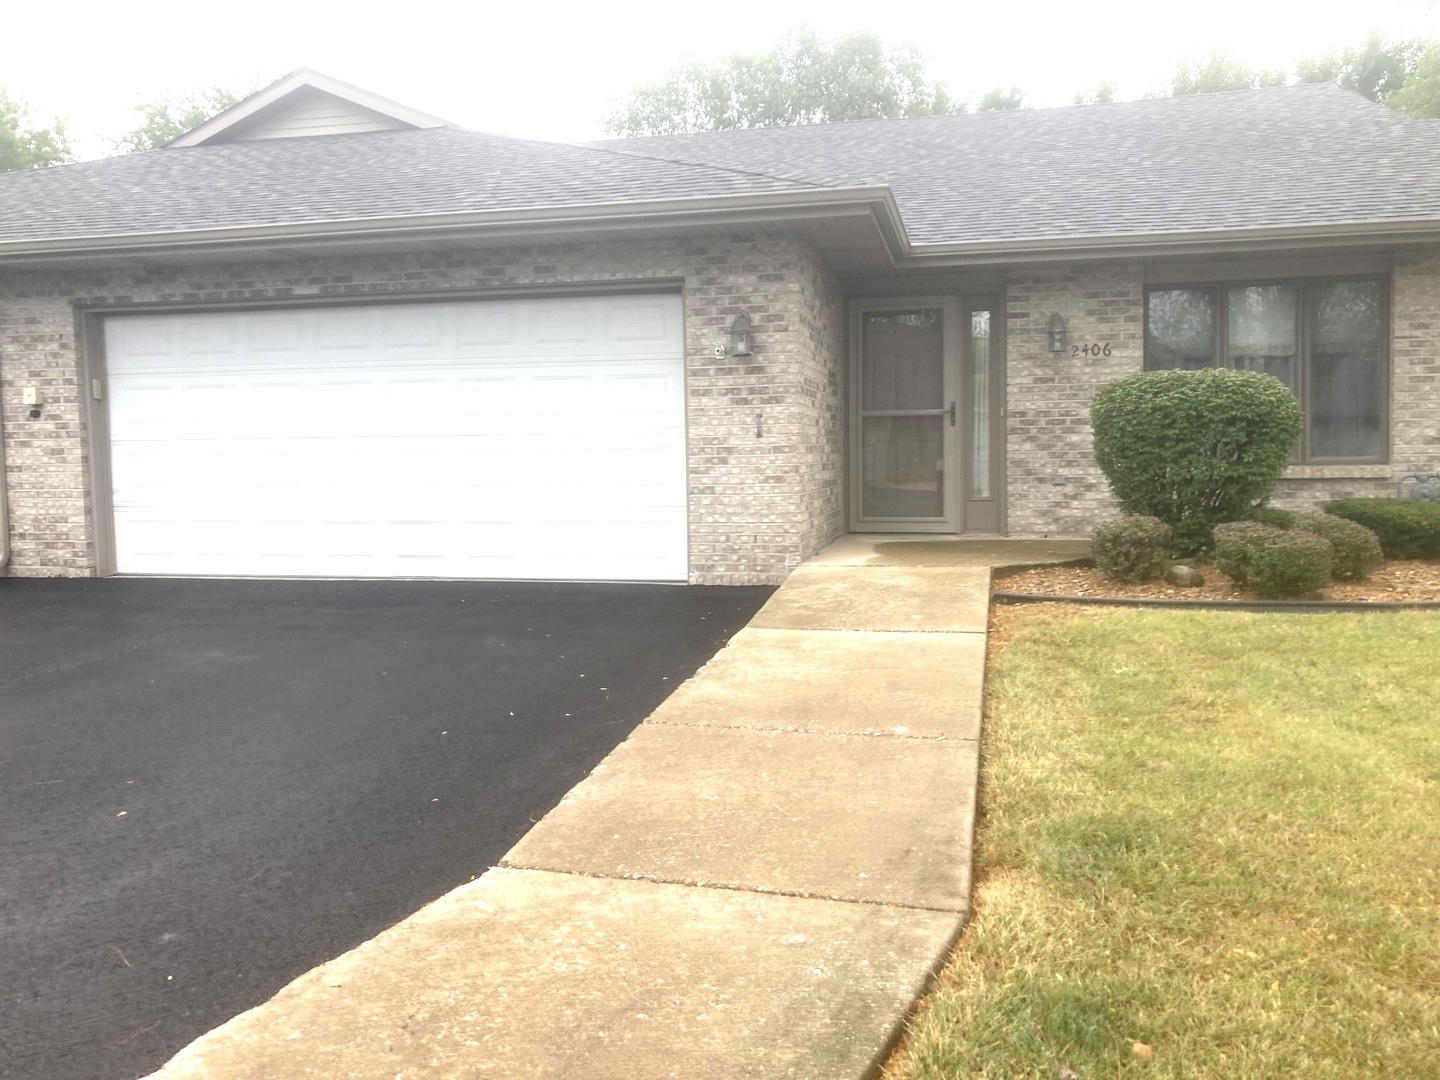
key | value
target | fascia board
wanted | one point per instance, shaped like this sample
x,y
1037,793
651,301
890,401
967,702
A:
x,y
1172,243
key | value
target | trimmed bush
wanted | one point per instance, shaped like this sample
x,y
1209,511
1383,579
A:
x,y
1268,515
1133,548
1356,549
1235,545
1406,530
1273,562
1194,448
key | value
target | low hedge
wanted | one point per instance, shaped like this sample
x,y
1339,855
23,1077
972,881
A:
x,y
1273,562
1357,550
1406,530
1133,548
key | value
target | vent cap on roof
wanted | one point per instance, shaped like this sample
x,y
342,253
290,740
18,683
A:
x,y
306,102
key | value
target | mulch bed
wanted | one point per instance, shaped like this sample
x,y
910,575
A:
x,y
1402,580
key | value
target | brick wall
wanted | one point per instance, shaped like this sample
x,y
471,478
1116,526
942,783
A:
x,y
1055,488
1049,394
758,502
821,411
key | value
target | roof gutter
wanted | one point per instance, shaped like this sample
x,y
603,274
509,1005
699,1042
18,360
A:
x,y
1171,243
604,217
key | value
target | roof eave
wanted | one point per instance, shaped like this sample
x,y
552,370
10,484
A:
x,y
1131,246
531,222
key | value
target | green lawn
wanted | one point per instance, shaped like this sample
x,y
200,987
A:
x,y
1214,834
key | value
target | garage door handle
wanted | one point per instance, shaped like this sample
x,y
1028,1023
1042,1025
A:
x,y
952,414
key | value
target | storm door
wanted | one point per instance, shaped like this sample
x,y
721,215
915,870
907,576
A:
x,y
927,434
905,434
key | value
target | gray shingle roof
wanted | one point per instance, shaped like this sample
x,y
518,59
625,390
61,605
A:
x,y
327,178
1298,155
1293,155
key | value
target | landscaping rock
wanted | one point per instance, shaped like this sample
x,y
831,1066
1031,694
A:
x,y
1187,577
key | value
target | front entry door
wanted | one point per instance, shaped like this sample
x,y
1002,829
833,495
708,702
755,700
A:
x,y
923,445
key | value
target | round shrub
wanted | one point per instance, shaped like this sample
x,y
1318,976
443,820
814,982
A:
x,y
1273,562
1407,530
1268,515
1235,545
1194,448
1356,549
1134,548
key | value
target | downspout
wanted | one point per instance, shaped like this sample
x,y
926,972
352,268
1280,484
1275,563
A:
x,y
4,505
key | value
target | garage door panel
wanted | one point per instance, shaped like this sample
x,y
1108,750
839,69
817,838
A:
x,y
516,439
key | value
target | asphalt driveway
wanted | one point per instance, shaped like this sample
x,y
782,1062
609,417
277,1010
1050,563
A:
x,y
208,787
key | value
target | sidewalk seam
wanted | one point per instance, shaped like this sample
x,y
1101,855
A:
x,y
505,864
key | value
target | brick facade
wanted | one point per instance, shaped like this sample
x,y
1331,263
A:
x,y
1055,487
766,432
763,431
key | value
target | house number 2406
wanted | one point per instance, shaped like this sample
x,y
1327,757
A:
x,y
1091,348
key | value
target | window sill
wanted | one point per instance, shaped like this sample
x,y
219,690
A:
x,y
1339,472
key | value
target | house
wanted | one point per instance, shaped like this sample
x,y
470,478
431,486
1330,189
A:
x,y
326,334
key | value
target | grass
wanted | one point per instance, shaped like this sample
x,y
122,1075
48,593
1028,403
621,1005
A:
x,y
1211,834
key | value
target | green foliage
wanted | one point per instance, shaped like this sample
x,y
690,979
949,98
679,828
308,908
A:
x,y
1134,548
1406,530
1420,96
806,79
1194,448
1356,549
23,145
1236,543
1103,94
1378,69
1002,100
167,118
1273,562
1221,72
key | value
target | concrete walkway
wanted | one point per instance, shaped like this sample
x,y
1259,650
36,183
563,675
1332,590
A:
x,y
759,882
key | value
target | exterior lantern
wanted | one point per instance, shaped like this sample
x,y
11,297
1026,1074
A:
x,y
1057,333
740,336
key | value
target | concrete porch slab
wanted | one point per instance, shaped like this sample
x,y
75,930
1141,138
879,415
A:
x,y
878,549
524,974
917,684
885,598
846,817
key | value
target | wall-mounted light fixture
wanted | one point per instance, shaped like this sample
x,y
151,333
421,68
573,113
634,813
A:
x,y
1057,332
740,336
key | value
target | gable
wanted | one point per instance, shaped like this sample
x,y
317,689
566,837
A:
x,y
305,103
312,113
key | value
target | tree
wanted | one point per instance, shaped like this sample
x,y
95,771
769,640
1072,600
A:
x,y
168,117
1420,96
805,79
1220,72
1378,69
1103,94
1002,100
23,145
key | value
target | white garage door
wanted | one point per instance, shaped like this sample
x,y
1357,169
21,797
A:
x,y
518,439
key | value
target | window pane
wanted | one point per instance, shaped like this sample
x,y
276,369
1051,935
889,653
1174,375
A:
x,y
1346,346
980,405
903,471
1262,331
902,360
1180,329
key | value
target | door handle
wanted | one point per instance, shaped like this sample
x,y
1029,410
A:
x,y
952,414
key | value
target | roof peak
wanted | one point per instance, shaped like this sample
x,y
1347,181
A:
x,y
306,102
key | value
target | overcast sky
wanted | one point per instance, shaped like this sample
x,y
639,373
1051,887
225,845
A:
x,y
550,70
